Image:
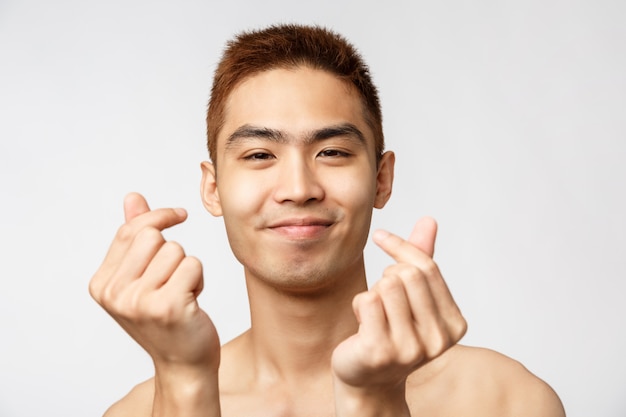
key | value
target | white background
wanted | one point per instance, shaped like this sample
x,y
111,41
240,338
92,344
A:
x,y
509,123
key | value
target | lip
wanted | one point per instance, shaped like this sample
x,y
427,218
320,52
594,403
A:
x,y
301,227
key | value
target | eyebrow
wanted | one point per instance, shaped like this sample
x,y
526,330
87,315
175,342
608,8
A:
x,y
249,132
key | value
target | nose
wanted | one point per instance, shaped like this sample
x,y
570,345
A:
x,y
298,182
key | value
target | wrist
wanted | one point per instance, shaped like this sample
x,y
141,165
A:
x,y
371,401
185,392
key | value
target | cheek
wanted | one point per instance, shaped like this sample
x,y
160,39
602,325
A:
x,y
241,202
354,191
240,199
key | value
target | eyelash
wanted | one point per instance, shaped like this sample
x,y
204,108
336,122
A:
x,y
336,153
258,156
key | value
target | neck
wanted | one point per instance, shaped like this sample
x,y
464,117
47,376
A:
x,y
294,332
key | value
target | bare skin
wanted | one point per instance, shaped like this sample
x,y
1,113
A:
x,y
296,184
465,381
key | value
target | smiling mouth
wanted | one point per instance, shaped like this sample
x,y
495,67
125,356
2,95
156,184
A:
x,y
301,229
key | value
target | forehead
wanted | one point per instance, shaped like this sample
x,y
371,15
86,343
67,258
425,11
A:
x,y
293,100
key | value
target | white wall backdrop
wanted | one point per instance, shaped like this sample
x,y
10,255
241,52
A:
x,y
508,119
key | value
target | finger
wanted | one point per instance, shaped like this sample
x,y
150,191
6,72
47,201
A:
x,y
438,317
134,205
401,250
404,252
431,325
369,310
399,314
437,322
187,278
412,284
138,256
138,213
424,234
394,299
159,219
162,266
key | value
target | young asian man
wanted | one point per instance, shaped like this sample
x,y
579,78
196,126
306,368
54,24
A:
x,y
297,166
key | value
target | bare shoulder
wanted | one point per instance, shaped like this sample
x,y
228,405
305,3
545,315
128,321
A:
x,y
484,382
520,388
137,403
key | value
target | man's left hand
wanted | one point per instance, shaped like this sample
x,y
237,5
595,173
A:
x,y
405,320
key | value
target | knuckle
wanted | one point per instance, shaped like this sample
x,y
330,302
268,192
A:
x,y
399,270
174,249
380,356
119,300
94,288
108,298
125,233
439,343
150,235
430,268
411,275
360,300
439,340
415,277
412,358
389,283
192,264
370,299
391,269
458,328
411,352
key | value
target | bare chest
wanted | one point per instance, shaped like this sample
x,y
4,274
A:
x,y
277,404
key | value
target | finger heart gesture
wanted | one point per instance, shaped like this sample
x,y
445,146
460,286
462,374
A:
x,y
405,320
149,286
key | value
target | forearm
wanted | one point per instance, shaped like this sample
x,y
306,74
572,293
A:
x,y
186,393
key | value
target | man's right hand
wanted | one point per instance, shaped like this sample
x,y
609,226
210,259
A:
x,y
150,287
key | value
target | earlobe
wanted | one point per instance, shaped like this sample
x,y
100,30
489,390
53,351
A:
x,y
208,189
384,179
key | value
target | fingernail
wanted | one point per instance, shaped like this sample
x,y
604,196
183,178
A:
x,y
380,234
180,211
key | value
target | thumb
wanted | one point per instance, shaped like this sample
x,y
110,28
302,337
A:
x,y
424,234
134,205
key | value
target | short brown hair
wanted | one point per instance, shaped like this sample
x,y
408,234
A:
x,y
289,46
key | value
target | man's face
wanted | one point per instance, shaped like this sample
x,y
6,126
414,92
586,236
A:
x,y
296,178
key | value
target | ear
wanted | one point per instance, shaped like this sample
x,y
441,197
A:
x,y
208,189
384,179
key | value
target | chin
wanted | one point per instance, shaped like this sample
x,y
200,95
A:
x,y
304,275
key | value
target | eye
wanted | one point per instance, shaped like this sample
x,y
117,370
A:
x,y
334,153
258,156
